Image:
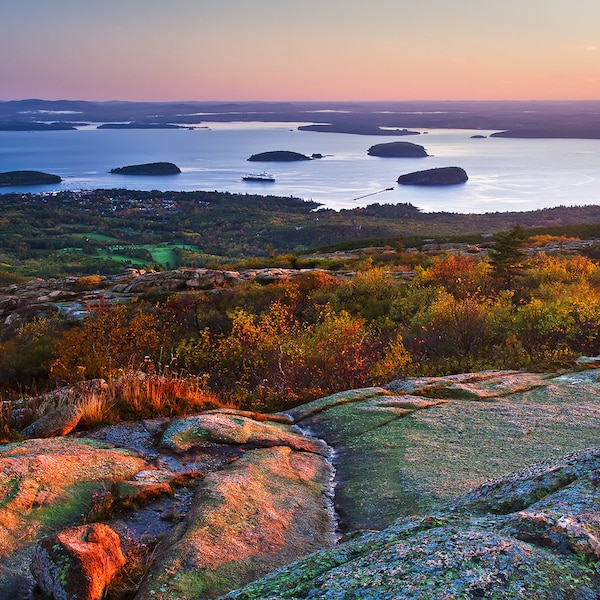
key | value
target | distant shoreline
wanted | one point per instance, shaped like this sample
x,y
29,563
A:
x,y
534,119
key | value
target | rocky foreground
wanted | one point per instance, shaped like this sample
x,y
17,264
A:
x,y
412,476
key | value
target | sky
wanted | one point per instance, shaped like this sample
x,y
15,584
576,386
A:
x,y
330,50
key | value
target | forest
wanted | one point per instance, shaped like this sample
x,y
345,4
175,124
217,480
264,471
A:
x,y
106,231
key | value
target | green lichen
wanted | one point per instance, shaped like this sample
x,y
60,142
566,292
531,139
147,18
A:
x,y
69,508
11,489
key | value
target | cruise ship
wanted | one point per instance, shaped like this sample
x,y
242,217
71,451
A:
x,y
264,177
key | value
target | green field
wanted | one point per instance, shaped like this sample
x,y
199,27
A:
x,y
162,254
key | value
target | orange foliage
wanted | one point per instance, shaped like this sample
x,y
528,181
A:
x,y
112,339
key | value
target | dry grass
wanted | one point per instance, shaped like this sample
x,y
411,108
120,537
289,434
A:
x,y
140,395
132,396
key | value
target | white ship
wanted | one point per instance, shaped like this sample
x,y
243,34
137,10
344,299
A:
x,y
264,177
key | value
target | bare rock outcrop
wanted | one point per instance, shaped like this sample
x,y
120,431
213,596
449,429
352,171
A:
x,y
230,495
78,563
218,427
46,481
258,514
548,549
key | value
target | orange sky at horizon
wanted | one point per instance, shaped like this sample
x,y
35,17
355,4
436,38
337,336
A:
x,y
155,50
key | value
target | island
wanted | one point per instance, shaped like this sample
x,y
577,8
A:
x,y
278,156
584,131
155,168
140,126
37,126
28,178
357,128
437,176
398,150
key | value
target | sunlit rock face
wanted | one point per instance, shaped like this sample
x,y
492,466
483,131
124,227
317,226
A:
x,y
79,562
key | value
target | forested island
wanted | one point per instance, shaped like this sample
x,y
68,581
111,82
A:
x,y
278,156
139,126
155,168
398,150
438,176
28,178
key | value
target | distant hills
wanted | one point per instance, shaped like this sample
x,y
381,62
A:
x,y
579,119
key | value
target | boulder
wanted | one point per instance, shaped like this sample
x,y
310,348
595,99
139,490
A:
x,y
589,362
59,422
438,176
181,279
398,150
49,483
77,563
216,427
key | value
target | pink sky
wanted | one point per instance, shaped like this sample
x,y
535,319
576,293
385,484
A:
x,y
159,50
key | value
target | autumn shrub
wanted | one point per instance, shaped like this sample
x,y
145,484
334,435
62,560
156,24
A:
x,y
540,240
369,294
88,282
25,356
273,360
459,275
459,334
112,339
553,332
546,269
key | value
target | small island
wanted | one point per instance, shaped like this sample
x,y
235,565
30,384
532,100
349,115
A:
x,y
139,126
278,156
28,178
438,176
156,168
398,150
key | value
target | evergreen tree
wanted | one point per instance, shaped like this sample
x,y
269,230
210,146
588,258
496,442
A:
x,y
507,256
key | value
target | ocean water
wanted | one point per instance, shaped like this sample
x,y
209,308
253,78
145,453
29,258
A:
x,y
504,174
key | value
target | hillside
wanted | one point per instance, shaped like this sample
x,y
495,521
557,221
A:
x,y
103,231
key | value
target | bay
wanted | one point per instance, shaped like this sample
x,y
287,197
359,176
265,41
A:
x,y
504,174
